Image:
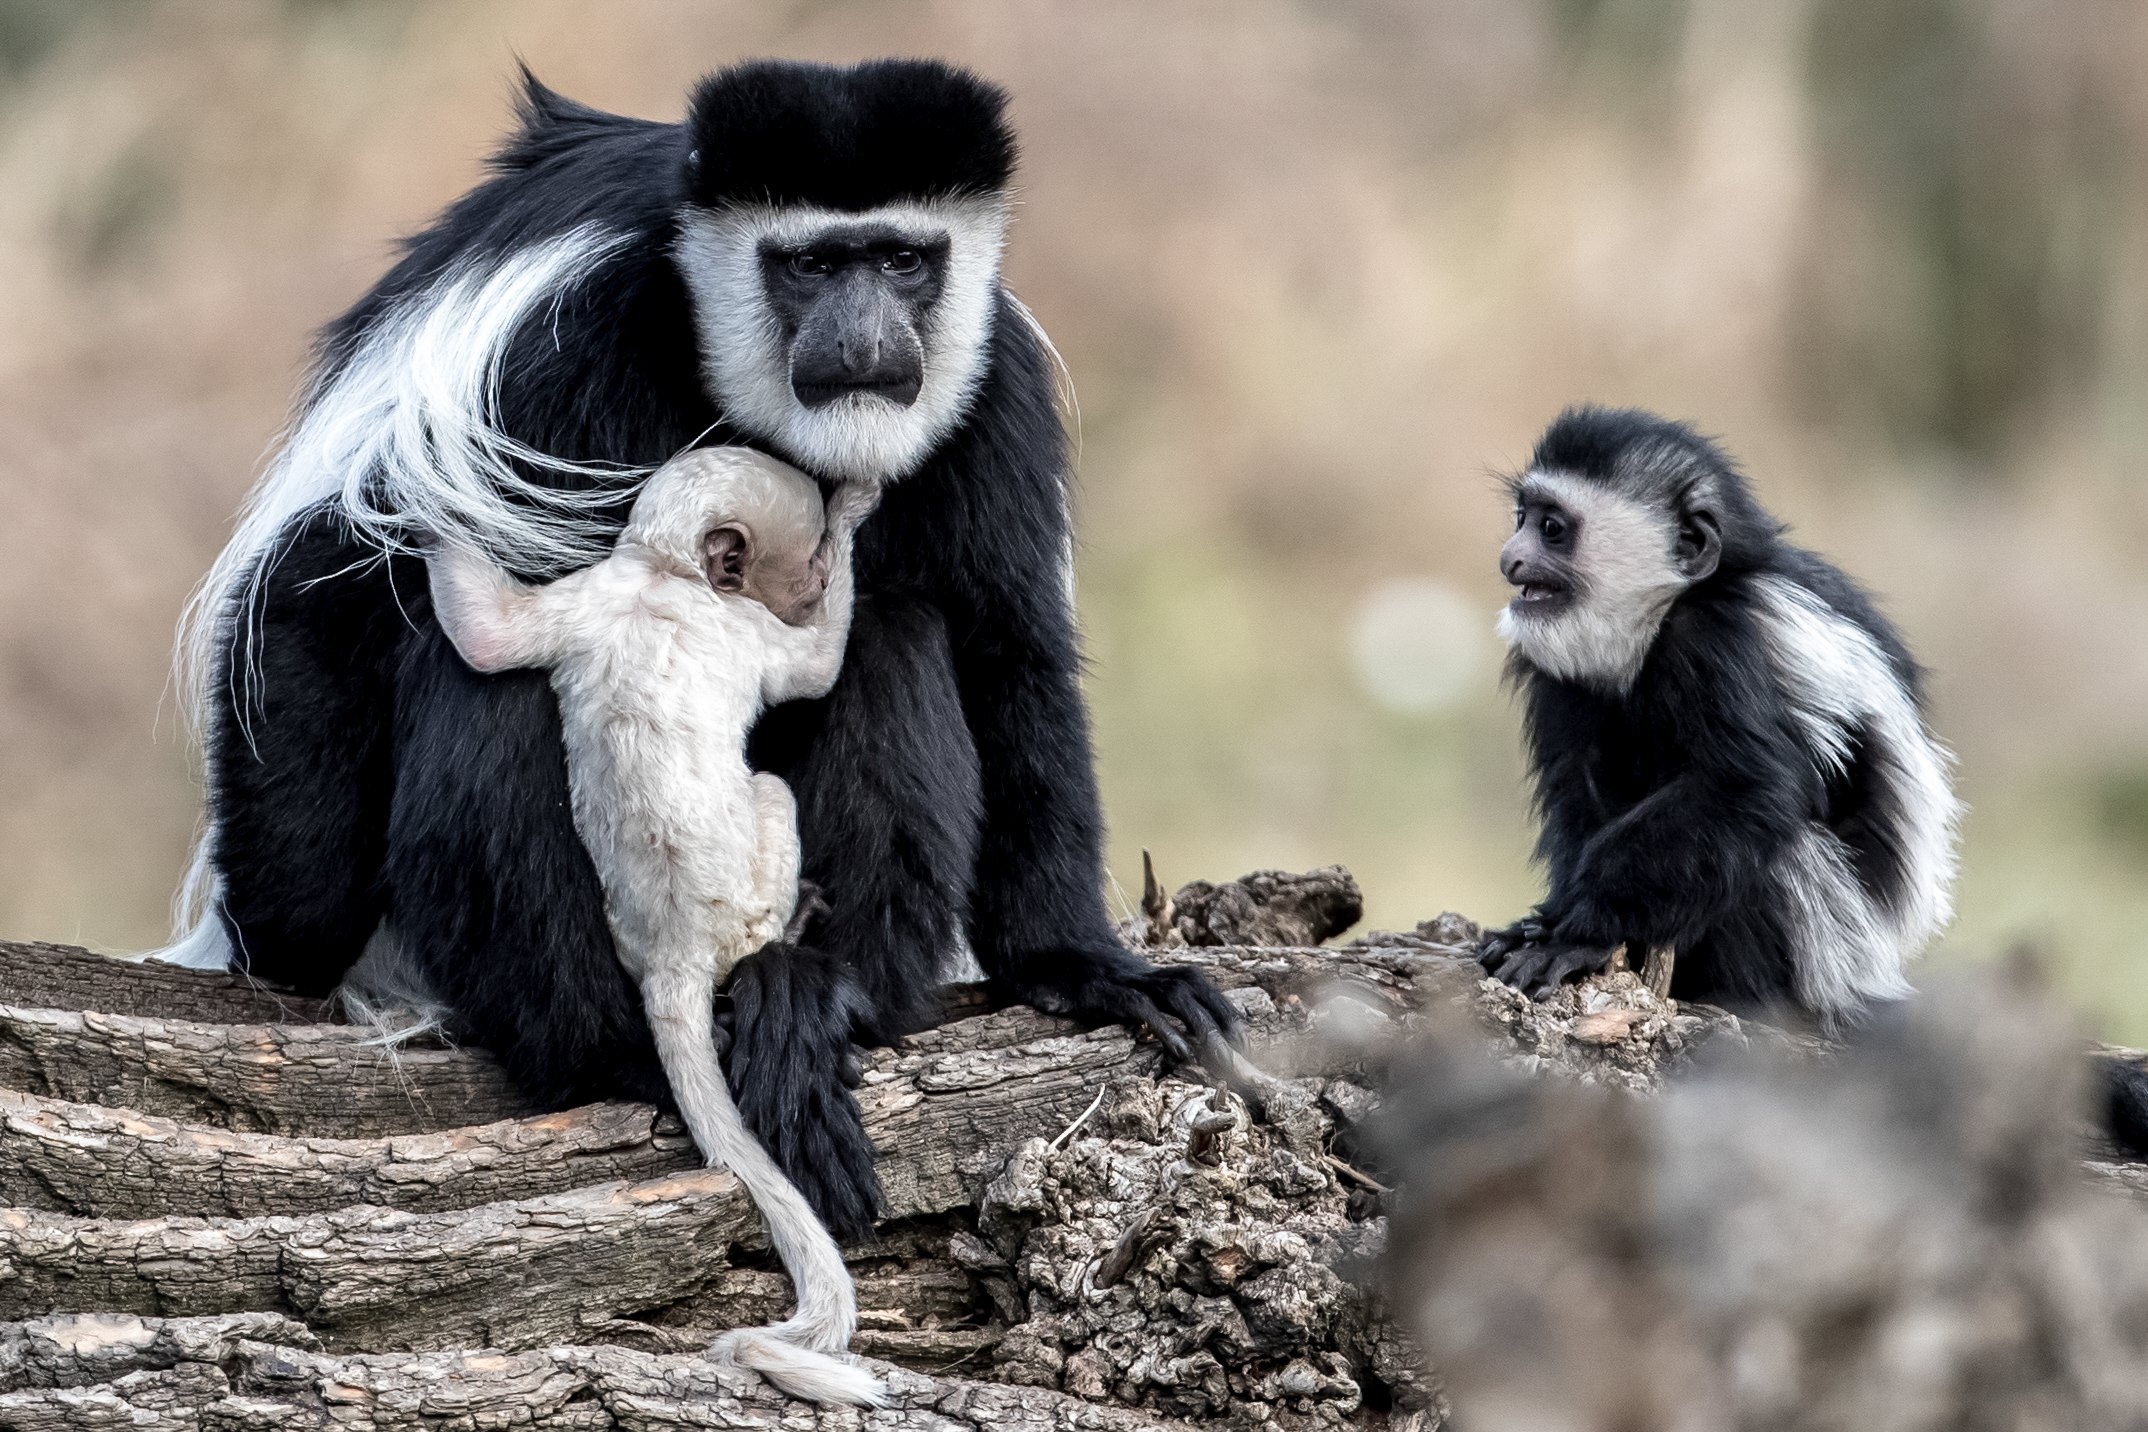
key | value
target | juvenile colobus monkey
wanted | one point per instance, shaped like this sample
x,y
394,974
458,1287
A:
x,y
1728,742
1727,738
722,596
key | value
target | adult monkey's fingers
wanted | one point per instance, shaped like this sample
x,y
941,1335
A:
x,y
1199,1005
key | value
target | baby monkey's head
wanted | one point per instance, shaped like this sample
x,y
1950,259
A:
x,y
750,524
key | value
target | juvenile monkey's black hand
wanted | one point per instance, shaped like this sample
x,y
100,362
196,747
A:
x,y
1537,968
1529,930
1175,1003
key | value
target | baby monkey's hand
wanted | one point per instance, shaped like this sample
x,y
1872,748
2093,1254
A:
x,y
852,502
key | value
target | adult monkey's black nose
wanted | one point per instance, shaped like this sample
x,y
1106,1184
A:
x,y
859,340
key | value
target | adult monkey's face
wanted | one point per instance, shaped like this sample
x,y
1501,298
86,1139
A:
x,y
852,301
841,241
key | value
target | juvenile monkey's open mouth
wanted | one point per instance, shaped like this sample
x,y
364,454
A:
x,y
1541,596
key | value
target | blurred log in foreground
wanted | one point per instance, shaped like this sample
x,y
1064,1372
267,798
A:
x,y
1898,1238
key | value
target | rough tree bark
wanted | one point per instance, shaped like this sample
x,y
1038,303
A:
x,y
218,1220
222,1210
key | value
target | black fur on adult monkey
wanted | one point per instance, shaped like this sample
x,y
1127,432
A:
x,y
809,264
1728,743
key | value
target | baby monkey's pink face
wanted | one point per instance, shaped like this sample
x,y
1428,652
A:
x,y
750,523
775,560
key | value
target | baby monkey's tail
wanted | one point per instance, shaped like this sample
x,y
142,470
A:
x,y
801,1355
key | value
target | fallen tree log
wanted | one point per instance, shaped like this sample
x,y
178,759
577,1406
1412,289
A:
x,y
35,975
515,1273
221,1220
500,1275
325,1079
405,1205
949,1100
265,1372
105,1163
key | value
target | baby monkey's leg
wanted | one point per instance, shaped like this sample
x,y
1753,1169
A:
x,y
775,860
811,906
792,903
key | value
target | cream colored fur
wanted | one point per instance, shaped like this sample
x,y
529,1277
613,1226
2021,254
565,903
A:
x,y
659,678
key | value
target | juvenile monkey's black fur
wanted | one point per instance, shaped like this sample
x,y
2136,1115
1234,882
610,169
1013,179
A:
x,y
944,788
1682,789
1669,803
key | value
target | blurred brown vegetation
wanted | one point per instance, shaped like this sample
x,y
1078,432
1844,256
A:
x,y
1319,271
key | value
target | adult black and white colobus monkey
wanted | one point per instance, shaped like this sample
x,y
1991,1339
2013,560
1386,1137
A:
x,y
810,264
1727,739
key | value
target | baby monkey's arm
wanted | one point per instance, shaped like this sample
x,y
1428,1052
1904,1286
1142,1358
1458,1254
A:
x,y
814,648
496,622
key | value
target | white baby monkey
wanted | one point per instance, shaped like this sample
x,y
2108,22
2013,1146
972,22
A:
x,y
729,591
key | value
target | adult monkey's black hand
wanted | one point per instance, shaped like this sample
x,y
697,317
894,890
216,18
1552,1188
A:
x,y
1175,1003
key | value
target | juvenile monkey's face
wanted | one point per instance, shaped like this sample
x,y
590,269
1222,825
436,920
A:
x,y
778,565
1594,570
1538,560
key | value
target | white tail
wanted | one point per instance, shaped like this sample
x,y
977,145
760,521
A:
x,y
799,1355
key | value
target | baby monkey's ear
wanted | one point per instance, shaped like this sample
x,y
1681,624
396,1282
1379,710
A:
x,y
724,555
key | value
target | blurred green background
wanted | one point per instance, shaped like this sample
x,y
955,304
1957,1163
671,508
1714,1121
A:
x,y
1320,271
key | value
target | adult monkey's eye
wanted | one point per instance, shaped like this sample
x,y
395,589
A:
x,y
809,265
903,261
1554,528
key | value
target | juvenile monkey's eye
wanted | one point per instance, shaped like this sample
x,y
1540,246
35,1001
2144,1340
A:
x,y
903,261
809,265
1554,528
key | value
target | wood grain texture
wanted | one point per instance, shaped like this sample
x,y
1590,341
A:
x,y
253,1371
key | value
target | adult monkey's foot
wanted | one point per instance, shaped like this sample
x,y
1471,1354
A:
x,y
793,1020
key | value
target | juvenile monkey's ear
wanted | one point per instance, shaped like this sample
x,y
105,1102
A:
x,y
1700,545
724,554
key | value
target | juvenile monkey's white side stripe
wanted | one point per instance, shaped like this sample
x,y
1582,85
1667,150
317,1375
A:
x,y
742,345
1844,955
403,443
1838,681
1626,582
